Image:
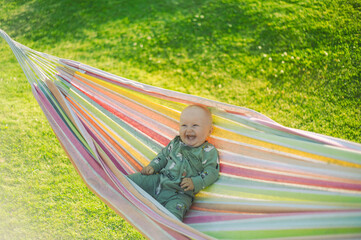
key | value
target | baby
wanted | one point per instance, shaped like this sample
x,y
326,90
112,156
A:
x,y
185,166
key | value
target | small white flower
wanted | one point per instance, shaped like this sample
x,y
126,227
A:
x,y
199,24
149,37
202,16
259,47
298,58
157,191
292,57
270,59
208,148
264,55
283,62
141,45
135,44
172,165
325,53
282,71
285,53
276,75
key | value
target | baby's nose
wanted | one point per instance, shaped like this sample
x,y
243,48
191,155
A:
x,y
189,130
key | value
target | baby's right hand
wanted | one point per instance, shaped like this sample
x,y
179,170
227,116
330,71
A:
x,y
148,170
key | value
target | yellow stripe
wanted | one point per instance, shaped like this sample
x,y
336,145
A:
x,y
222,133
141,98
228,135
136,155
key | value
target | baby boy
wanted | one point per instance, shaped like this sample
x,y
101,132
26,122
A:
x,y
185,166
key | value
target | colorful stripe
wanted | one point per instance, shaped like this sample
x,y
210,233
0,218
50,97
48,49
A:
x,y
275,182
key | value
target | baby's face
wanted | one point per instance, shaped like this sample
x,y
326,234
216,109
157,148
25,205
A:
x,y
195,126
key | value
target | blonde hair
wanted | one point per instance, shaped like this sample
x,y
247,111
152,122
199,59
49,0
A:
x,y
205,110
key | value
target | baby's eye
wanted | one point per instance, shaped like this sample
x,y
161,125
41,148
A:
x,y
195,125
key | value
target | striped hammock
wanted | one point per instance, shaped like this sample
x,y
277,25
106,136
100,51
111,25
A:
x,y
275,182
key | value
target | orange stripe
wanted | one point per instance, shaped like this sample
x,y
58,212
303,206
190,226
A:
x,y
130,159
145,111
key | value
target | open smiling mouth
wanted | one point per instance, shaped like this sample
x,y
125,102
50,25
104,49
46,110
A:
x,y
190,137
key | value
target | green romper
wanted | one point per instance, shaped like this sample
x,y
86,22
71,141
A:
x,y
175,162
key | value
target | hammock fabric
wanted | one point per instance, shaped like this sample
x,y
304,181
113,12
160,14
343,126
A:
x,y
276,182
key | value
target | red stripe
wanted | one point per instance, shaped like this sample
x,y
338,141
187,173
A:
x,y
147,131
128,158
273,177
159,120
137,107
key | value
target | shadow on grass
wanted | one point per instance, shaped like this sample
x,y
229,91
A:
x,y
213,34
52,21
55,20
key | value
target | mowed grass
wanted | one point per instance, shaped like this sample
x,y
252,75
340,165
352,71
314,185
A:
x,y
41,195
298,62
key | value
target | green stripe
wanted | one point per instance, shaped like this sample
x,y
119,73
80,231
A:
x,y
244,191
125,131
262,234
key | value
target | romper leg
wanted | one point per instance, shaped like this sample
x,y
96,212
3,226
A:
x,y
179,204
148,183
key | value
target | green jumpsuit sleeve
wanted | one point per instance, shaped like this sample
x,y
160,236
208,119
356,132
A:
x,y
210,171
160,161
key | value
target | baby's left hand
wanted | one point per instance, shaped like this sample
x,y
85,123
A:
x,y
187,184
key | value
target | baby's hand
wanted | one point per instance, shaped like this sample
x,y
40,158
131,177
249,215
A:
x,y
148,170
187,184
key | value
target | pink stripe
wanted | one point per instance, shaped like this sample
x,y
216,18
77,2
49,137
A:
x,y
170,226
142,128
73,141
100,142
170,95
230,217
72,138
260,175
308,135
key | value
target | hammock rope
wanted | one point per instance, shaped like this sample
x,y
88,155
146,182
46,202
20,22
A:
x,y
276,182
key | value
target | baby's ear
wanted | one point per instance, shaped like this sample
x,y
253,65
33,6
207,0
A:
x,y
210,130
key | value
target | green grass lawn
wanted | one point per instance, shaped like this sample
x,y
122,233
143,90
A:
x,y
298,62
